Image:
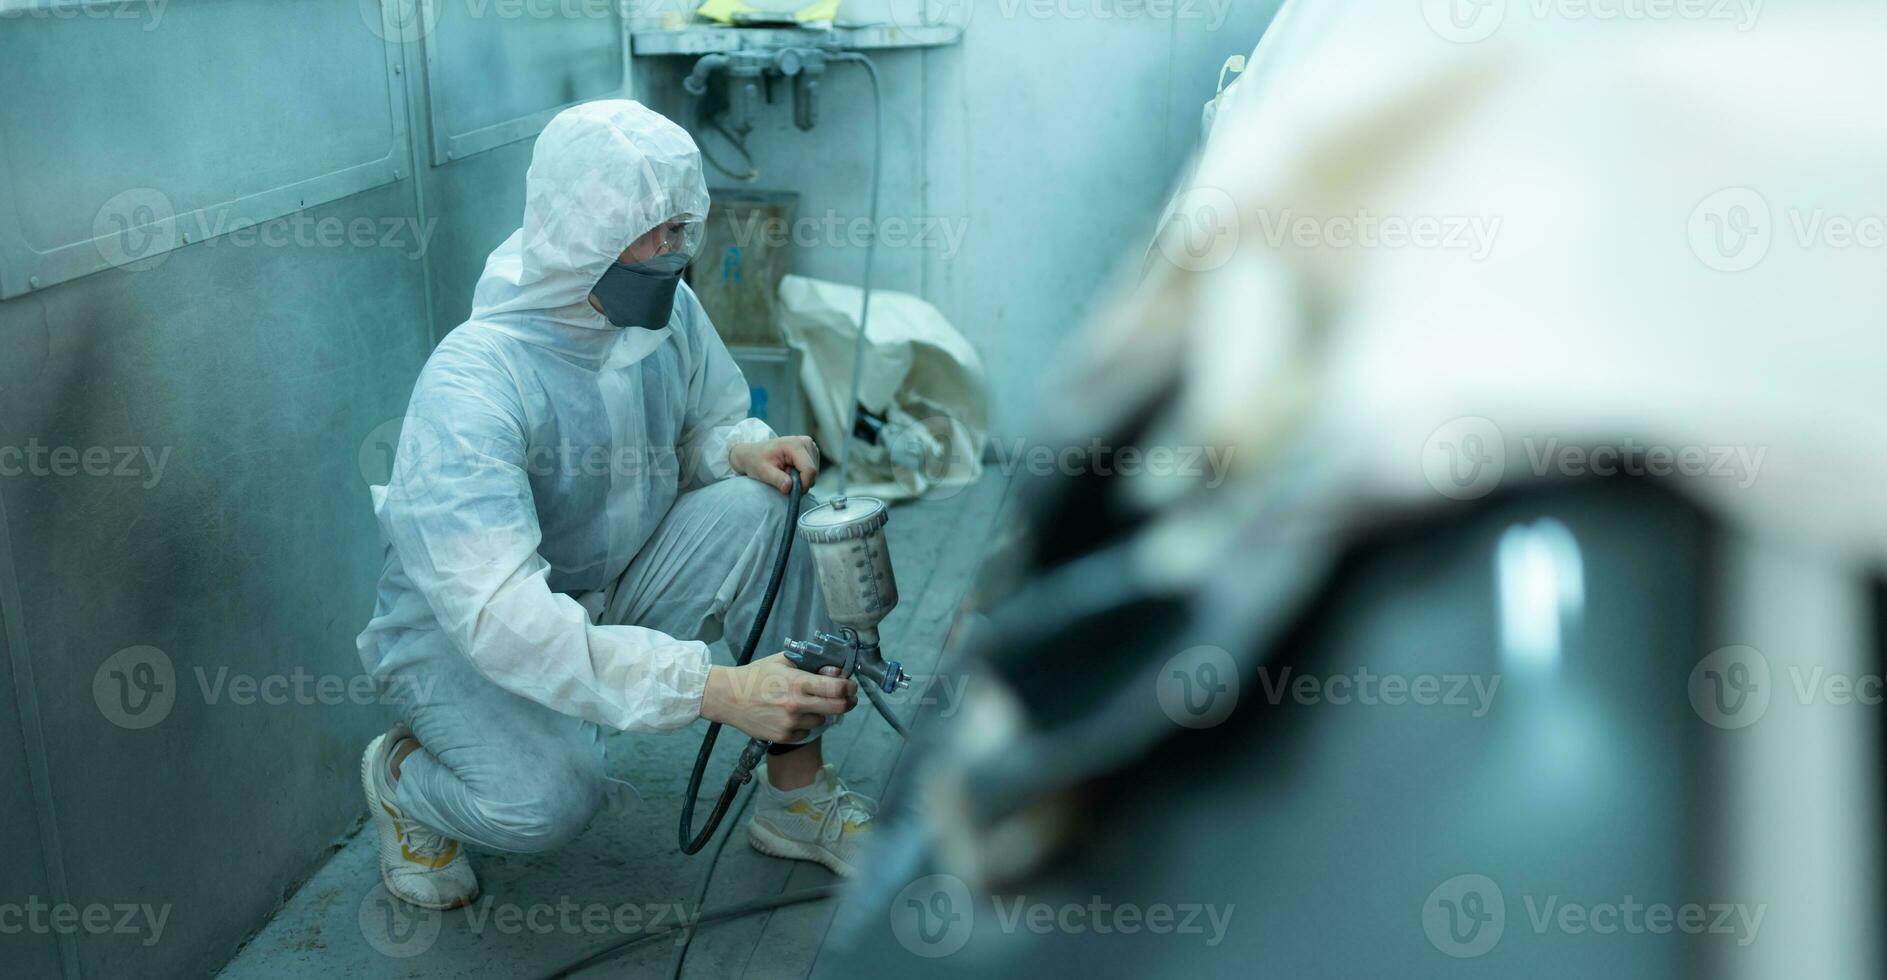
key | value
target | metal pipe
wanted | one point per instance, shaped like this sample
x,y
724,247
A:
x,y
871,254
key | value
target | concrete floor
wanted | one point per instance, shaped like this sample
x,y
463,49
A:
x,y
625,878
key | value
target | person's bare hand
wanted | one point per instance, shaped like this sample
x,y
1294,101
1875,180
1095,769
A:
x,y
774,701
769,461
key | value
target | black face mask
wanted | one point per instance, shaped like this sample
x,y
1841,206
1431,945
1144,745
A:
x,y
642,294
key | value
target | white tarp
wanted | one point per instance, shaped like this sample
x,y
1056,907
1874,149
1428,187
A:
x,y
919,373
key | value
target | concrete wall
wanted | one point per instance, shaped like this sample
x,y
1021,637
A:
x,y
198,382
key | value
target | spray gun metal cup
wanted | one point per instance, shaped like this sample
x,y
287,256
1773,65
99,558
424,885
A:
x,y
849,554
852,561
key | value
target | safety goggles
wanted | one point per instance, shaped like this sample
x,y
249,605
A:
x,y
680,235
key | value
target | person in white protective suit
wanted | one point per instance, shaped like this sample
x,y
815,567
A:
x,y
580,503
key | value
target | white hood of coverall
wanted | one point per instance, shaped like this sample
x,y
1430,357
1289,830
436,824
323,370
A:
x,y
600,171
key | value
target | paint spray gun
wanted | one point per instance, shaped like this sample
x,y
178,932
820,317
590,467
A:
x,y
847,538
853,564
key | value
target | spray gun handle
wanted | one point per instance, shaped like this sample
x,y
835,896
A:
x,y
822,651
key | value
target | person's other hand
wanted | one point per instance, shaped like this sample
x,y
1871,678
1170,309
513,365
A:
x,y
769,461
774,701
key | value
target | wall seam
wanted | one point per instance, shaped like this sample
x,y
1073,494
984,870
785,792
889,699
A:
x,y
419,160
33,739
1173,62
923,162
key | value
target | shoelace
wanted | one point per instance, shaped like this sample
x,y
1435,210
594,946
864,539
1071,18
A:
x,y
424,842
841,806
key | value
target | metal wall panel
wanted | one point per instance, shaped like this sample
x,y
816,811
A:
x,y
23,879
130,130
237,539
268,366
498,70
129,136
479,202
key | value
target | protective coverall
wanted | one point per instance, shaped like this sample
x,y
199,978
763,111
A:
x,y
564,529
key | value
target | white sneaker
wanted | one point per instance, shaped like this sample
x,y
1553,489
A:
x,y
823,822
419,865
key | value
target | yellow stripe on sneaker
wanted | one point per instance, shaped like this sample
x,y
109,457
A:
x,y
435,863
806,809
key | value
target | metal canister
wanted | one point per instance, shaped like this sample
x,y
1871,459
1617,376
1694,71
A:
x,y
853,562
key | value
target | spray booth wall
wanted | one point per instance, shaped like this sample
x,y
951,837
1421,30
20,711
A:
x,y
231,231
